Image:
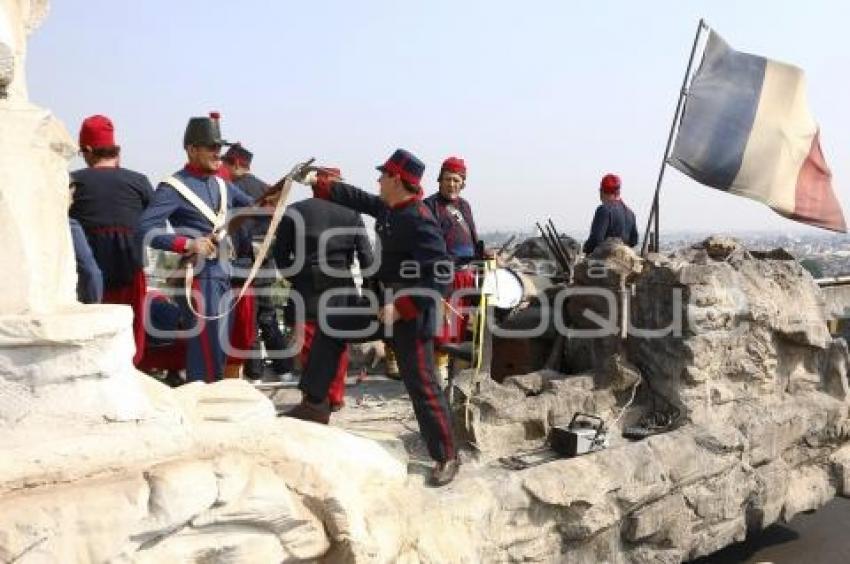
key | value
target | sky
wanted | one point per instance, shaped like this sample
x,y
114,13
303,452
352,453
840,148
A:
x,y
541,98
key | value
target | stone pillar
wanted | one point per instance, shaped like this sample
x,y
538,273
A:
x,y
58,358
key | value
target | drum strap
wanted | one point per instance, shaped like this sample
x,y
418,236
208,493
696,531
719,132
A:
x,y
457,215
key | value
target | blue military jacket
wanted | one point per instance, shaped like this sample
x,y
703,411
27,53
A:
x,y
612,219
455,219
187,221
413,251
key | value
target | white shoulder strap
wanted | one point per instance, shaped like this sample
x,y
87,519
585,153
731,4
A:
x,y
222,200
217,219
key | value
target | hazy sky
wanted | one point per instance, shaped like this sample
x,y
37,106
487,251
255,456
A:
x,y
540,98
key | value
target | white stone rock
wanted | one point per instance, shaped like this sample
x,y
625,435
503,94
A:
x,y
809,488
228,544
267,503
179,491
82,523
34,151
229,400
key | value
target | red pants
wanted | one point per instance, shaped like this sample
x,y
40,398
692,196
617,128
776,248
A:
x,y
336,392
173,356
243,327
132,295
453,327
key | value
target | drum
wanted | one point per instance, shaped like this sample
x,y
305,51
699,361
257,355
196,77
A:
x,y
504,288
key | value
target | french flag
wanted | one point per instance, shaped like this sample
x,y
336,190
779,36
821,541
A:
x,y
747,129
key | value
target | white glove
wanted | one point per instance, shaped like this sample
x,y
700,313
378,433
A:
x,y
309,179
306,177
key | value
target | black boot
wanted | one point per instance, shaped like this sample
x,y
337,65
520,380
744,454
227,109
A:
x,y
173,379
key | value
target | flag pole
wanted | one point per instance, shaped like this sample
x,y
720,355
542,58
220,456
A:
x,y
653,221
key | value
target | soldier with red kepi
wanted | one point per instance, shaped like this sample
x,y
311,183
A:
x,y
108,202
414,271
613,218
454,215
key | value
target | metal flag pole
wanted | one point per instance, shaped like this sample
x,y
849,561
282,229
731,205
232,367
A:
x,y
653,222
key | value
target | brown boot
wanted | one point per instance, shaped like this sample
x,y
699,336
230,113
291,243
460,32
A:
x,y
308,411
391,365
444,472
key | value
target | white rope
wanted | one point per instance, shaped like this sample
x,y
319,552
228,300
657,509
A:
x,y
261,252
258,260
625,407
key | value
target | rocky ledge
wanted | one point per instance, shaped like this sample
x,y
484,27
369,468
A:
x,y
211,475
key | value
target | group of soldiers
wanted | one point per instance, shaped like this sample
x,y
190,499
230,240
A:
x,y
425,248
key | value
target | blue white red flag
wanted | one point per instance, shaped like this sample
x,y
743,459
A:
x,y
746,129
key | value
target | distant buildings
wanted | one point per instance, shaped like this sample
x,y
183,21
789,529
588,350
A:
x,y
824,255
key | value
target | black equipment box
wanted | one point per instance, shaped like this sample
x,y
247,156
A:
x,y
585,433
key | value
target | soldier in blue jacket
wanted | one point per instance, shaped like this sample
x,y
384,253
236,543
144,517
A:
x,y
196,201
613,218
414,273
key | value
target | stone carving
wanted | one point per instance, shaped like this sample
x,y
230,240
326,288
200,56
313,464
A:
x,y
18,18
57,358
34,152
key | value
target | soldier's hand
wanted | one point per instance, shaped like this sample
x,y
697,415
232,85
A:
x,y
310,175
306,176
270,200
203,246
388,314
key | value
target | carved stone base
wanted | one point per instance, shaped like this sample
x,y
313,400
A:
x,y
74,364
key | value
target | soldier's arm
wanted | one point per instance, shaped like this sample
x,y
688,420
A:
x,y
597,229
348,196
146,190
164,203
633,233
238,197
471,221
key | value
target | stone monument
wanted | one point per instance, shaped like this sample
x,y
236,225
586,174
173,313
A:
x,y
57,357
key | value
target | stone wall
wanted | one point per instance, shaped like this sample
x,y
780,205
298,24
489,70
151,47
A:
x,y
759,385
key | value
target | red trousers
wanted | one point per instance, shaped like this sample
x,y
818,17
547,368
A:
x,y
173,357
453,327
243,327
336,393
132,295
